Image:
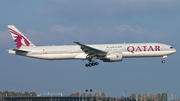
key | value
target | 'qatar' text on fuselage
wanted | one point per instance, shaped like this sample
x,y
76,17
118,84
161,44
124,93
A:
x,y
143,48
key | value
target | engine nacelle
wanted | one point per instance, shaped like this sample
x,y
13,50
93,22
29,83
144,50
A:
x,y
113,57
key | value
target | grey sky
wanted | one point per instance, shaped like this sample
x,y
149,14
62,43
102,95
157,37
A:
x,y
59,22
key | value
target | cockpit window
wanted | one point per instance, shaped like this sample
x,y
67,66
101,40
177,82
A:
x,y
171,47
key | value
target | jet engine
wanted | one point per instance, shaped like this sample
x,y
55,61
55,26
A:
x,y
113,57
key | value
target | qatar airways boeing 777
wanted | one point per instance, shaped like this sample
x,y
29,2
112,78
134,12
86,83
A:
x,y
105,52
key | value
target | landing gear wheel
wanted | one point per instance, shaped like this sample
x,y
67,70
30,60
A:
x,y
97,63
90,64
163,61
87,65
93,64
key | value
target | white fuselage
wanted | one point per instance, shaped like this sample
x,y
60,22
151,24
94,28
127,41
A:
x,y
75,51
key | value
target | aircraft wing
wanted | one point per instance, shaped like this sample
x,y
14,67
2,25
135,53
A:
x,y
91,51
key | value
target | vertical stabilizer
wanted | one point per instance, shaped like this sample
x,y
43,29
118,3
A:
x,y
19,39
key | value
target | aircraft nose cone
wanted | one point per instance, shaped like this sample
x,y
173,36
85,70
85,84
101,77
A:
x,y
174,50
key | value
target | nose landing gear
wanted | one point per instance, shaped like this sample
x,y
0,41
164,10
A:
x,y
163,61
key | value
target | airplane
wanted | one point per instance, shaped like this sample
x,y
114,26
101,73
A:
x,y
104,52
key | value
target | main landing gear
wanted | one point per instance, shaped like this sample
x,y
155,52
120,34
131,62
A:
x,y
163,61
92,64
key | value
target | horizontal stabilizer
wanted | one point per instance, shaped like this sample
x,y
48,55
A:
x,y
18,50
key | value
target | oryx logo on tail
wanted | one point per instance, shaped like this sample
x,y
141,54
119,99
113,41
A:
x,y
19,39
